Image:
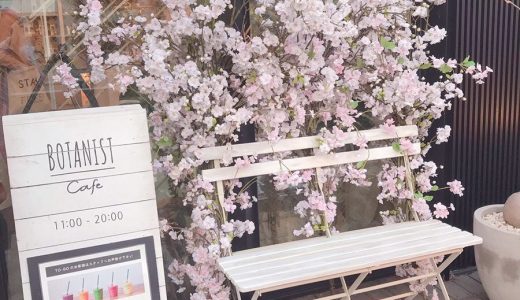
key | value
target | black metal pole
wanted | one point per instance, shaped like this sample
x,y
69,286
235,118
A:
x,y
43,75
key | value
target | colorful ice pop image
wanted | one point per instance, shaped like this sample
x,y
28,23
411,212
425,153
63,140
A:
x,y
83,295
98,293
128,287
68,296
113,290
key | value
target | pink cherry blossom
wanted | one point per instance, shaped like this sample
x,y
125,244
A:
x,y
443,134
308,68
64,76
456,187
441,211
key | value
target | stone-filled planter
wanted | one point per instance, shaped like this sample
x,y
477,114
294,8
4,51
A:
x,y
498,257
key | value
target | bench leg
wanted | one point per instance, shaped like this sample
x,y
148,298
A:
x,y
357,282
345,289
438,270
255,295
238,294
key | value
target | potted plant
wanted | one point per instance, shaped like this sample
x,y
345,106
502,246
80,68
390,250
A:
x,y
497,258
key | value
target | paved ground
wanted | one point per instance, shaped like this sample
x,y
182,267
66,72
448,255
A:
x,y
462,286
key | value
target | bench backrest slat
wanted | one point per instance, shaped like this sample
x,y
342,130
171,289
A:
x,y
302,163
309,142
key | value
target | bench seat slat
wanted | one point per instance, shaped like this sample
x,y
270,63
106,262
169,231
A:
x,y
294,267
326,254
303,163
254,255
304,271
309,142
344,247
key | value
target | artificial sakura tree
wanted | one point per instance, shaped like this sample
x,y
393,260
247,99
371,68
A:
x,y
306,67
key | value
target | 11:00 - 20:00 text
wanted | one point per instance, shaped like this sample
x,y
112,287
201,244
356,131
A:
x,y
98,219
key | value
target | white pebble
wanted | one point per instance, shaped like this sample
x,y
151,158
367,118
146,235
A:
x,y
496,219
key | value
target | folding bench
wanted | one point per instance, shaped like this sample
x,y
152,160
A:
x,y
358,252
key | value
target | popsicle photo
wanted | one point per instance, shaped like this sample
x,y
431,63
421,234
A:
x,y
107,279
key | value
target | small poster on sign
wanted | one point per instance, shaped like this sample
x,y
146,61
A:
x,y
84,204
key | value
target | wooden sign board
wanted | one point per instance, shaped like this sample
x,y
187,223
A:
x,y
84,204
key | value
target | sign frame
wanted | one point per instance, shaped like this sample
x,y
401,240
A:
x,y
105,154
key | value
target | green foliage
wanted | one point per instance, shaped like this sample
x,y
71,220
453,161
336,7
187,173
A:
x,y
446,69
396,146
419,195
425,66
361,165
428,198
386,43
299,79
468,63
164,142
344,89
360,63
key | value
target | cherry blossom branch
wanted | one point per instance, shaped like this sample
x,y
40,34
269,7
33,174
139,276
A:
x,y
510,2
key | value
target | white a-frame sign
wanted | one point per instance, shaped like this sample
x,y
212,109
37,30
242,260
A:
x,y
84,204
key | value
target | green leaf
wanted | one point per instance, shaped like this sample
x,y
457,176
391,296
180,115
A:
x,y
360,63
418,195
468,63
396,146
299,79
400,60
252,77
386,43
311,54
435,188
344,89
164,142
354,104
428,198
425,66
446,69
361,164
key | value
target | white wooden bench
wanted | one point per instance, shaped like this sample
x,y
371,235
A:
x,y
359,252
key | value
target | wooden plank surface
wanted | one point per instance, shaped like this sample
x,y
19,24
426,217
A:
x,y
345,251
353,239
117,164
24,133
138,187
324,267
262,269
88,224
310,142
303,163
